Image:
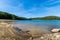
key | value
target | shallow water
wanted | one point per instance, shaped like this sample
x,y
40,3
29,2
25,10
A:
x,y
40,24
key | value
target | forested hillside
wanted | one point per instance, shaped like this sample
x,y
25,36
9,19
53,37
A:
x,y
5,15
46,18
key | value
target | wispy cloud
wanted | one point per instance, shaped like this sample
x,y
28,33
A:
x,y
52,3
30,8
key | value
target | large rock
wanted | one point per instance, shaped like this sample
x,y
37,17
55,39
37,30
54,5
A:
x,y
55,30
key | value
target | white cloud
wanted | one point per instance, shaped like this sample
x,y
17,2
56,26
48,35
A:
x,y
9,8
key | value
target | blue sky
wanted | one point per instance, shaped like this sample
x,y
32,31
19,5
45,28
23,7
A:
x,y
31,8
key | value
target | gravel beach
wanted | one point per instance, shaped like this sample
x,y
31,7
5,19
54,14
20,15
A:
x,y
9,32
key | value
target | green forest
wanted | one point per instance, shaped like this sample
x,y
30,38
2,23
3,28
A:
x,y
46,18
5,15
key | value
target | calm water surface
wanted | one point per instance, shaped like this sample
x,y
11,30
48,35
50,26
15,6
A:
x,y
40,24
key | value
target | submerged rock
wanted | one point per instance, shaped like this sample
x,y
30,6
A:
x,y
13,33
9,33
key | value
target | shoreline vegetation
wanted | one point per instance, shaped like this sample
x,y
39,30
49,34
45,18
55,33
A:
x,y
8,16
46,18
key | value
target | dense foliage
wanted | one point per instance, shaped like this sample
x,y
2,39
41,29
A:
x,y
46,18
5,15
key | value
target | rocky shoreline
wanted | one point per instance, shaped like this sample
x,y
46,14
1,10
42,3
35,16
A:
x,y
9,32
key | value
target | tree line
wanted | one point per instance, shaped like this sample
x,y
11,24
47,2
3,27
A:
x,y
5,15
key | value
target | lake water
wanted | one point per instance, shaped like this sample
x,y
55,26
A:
x,y
40,24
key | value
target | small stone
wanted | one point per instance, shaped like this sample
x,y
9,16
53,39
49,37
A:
x,y
42,37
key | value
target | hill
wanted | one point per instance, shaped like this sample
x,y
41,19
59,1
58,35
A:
x,y
46,18
5,15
